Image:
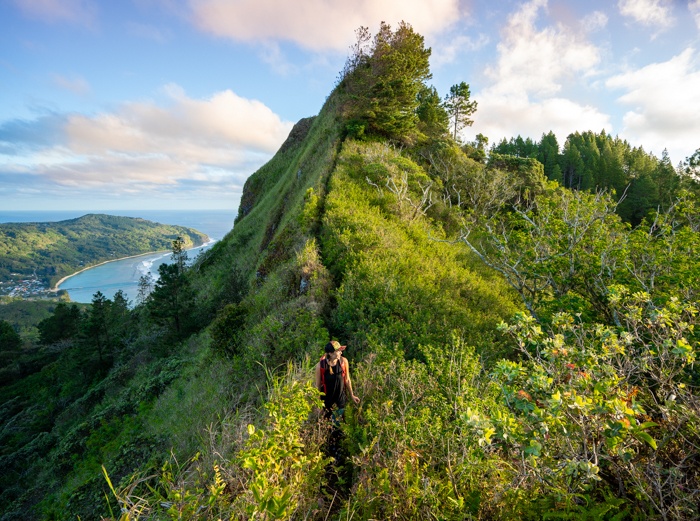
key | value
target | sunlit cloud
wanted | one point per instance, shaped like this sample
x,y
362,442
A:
x,y
663,99
221,125
318,25
213,143
79,12
650,13
538,61
527,81
694,7
225,123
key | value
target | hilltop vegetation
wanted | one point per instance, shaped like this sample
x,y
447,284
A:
x,y
522,348
24,315
51,251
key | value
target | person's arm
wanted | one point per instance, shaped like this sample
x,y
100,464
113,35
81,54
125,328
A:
x,y
348,382
318,377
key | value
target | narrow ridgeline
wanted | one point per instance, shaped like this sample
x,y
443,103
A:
x,y
519,351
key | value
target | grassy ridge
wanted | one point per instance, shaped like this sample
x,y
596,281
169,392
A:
x,y
55,250
470,408
461,415
399,286
165,396
324,256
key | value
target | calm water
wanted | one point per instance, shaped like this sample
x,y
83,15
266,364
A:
x,y
124,274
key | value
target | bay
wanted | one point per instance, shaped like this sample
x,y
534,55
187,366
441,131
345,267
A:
x,y
124,274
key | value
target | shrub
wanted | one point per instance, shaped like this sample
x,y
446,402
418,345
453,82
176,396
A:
x,y
226,329
593,408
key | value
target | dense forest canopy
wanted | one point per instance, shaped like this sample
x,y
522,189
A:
x,y
521,324
591,161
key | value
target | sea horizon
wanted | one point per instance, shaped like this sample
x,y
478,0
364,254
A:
x,y
215,223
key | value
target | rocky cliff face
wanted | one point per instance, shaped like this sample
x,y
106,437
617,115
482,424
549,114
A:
x,y
253,188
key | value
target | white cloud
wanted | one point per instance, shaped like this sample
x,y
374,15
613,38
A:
x,y
533,68
508,116
317,24
664,101
648,12
215,142
445,51
537,61
81,12
594,21
694,7
221,125
77,84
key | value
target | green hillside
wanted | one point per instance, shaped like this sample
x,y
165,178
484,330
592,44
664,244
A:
x,y
51,251
519,348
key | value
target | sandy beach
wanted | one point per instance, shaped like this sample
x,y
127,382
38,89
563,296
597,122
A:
x,y
55,287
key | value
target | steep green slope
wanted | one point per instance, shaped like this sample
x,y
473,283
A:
x,y
373,228
399,284
154,393
558,382
324,256
51,251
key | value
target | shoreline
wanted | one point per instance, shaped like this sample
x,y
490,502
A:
x,y
55,288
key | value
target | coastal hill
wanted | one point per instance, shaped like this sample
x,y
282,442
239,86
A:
x,y
523,346
50,251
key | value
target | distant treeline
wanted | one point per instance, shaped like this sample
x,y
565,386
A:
x,y
54,250
590,161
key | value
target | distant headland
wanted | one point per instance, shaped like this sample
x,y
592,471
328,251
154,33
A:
x,y
37,256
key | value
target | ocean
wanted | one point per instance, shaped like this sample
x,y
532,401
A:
x,y
124,274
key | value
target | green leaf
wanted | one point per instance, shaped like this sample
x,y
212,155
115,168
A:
x,y
645,437
647,425
534,449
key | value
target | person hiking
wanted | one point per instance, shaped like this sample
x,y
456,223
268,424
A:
x,y
333,381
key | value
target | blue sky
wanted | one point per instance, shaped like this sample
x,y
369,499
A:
x,y
167,104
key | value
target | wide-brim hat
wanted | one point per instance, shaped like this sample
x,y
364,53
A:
x,y
336,345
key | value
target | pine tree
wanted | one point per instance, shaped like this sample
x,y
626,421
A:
x,y
666,180
432,116
95,330
119,320
171,301
459,108
691,166
179,254
548,155
145,288
9,339
572,165
383,83
611,173
63,325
